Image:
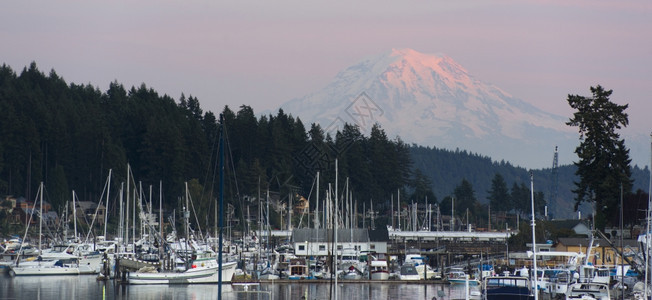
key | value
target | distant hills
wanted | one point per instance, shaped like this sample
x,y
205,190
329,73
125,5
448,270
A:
x,y
446,169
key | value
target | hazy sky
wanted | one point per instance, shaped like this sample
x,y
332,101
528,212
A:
x,y
263,53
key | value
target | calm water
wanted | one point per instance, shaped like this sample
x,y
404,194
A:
x,y
86,287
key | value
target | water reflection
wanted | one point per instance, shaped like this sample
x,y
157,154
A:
x,y
86,287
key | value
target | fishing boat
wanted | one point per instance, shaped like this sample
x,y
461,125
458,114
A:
x,y
298,269
378,268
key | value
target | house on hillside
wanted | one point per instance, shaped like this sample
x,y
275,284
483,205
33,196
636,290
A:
x,y
25,210
8,203
301,205
86,212
24,215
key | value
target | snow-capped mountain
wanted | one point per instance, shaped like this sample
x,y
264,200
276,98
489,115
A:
x,y
433,101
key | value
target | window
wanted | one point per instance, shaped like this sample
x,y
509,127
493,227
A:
x,y
372,246
322,247
339,247
302,248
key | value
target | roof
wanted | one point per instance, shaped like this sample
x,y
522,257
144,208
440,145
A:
x,y
51,215
344,235
601,242
85,205
565,224
379,235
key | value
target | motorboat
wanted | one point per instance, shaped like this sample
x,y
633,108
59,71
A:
x,y
588,291
458,276
409,272
379,270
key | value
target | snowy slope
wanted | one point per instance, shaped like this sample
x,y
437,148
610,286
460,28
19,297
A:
x,y
433,101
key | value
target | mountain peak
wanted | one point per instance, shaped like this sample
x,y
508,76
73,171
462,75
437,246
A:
x,y
432,100
411,66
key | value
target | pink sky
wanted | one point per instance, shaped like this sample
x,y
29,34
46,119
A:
x,y
263,53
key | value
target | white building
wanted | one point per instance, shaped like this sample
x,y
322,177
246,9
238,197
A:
x,y
319,242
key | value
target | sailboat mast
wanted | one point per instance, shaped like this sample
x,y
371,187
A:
x,y
149,216
398,207
106,207
317,204
74,214
453,214
186,218
126,219
267,220
534,245
335,227
348,206
133,220
40,222
122,217
647,231
221,218
391,201
65,228
160,218
260,219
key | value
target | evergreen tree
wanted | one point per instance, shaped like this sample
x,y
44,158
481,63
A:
x,y
421,185
604,163
520,196
464,197
499,194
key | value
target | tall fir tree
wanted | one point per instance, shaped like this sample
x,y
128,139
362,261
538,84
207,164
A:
x,y
604,163
499,194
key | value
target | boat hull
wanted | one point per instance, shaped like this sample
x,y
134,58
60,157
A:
x,y
379,275
192,276
43,271
269,277
472,282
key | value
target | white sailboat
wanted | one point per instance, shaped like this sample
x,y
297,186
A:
x,y
203,270
56,261
204,267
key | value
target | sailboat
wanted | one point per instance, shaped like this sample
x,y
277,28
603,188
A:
x,y
200,267
202,270
56,261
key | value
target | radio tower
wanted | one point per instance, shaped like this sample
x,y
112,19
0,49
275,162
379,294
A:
x,y
555,178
